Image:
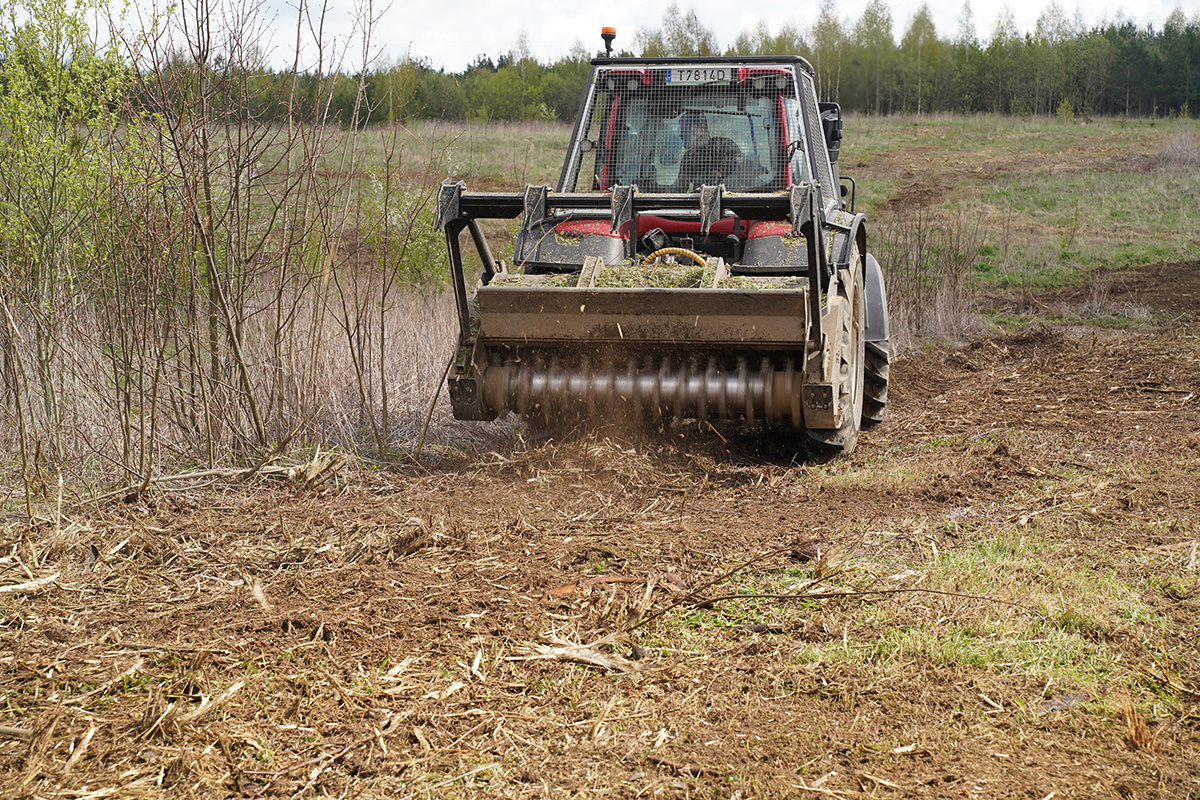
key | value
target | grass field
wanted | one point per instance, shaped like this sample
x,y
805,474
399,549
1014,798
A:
x,y
997,596
1040,203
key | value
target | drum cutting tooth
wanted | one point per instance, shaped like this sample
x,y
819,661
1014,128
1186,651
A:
x,y
633,394
766,386
609,393
705,390
656,389
743,390
556,383
524,386
794,390
506,382
680,391
722,392
586,394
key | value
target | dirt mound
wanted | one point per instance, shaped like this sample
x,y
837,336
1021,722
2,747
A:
x,y
1165,288
916,195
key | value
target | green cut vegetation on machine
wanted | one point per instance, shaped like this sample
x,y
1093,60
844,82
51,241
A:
x,y
697,259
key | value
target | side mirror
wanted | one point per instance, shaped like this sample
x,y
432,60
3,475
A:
x,y
831,122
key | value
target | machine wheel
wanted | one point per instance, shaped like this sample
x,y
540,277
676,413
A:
x,y
850,372
875,383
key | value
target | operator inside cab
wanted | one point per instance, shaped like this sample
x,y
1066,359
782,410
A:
x,y
706,159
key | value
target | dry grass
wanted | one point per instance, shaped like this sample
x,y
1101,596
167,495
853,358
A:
x,y
323,402
1181,149
1139,736
505,155
1105,301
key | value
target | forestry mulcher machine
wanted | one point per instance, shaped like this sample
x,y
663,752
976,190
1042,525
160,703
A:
x,y
697,259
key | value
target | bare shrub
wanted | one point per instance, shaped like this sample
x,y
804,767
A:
x,y
929,263
1101,304
1181,149
222,281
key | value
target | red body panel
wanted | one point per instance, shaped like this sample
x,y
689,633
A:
x,y
646,223
760,229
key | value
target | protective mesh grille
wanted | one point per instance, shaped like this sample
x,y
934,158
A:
x,y
673,129
824,170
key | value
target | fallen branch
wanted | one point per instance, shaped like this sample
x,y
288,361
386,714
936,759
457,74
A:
x,y
19,734
29,586
686,770
80,749
319,467
208,704
804,787
139,487
585,586
1165,680
1157,389
563,650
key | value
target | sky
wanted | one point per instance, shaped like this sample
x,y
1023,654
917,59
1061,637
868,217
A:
x,y
451,33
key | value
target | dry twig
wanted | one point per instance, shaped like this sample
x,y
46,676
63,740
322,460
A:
x,y
20,734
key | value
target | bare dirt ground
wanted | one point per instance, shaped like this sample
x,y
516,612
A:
x,y
996,596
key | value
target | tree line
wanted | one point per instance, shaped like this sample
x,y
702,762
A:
x,y
1059,67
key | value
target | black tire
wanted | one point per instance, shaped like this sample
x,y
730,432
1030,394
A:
x,y
875,382
850,373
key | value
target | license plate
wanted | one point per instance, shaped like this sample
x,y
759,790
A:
x,y
696,75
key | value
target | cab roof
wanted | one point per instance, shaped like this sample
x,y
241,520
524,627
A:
x,y
666,61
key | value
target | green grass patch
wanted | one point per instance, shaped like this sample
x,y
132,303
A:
x,y
994,596
1053,202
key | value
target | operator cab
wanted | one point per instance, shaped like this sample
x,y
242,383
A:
x,y
672,126
678,138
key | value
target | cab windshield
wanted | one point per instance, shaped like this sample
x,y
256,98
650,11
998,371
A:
x,y
642,128
712,138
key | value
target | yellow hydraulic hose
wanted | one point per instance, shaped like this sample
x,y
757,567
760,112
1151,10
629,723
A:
x,y
675,251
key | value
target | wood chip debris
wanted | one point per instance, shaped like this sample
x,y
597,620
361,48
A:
x,y
584,587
